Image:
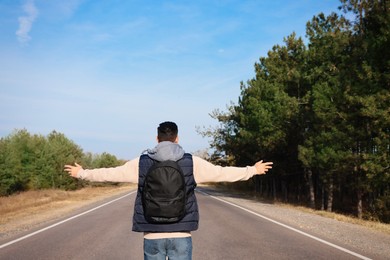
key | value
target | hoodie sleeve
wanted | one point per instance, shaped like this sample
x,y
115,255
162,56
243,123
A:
x,y
125,173
205,171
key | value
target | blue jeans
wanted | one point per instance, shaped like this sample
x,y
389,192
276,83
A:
x,y
173,248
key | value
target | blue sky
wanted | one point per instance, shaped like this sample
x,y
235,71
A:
x,y
106,73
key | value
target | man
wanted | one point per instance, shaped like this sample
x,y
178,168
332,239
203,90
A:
x,y
171,240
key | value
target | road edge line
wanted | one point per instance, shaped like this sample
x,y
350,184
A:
x,y
288,227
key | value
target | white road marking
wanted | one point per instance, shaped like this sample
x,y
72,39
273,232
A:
x,y
288,227
63,221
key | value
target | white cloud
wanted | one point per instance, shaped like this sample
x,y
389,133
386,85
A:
x,y
26,22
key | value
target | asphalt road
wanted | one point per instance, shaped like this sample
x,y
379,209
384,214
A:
x,y
226,232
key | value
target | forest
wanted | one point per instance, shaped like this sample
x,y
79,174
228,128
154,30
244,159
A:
x,y
34,162
319,108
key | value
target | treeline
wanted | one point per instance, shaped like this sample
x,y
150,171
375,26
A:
x,y
32,162
320,110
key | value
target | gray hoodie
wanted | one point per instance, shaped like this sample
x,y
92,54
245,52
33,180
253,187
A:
x,y
166,151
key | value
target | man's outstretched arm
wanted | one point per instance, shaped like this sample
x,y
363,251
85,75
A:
x,y
205,171
124,173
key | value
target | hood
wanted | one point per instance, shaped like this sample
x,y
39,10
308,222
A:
x,y
166,151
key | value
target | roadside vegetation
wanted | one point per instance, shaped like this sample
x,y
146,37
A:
x,y
35,162
319,108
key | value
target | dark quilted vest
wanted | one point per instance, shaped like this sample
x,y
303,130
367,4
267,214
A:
x,y
190,220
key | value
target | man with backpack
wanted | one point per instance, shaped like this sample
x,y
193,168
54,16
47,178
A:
x,y
166,210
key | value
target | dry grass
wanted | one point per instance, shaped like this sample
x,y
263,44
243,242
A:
x,y
22,211
375,225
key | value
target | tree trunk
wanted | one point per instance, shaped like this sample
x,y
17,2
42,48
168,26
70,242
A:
x,y
256,180
261,187
330,196
274,189
359,204
322,197
309,175
285,192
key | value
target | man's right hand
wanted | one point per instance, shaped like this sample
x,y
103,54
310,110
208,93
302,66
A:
x,y
73,170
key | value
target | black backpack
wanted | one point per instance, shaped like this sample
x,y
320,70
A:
x,y
164,193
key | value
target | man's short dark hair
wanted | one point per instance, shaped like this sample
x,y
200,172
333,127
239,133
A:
x,y
167,131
